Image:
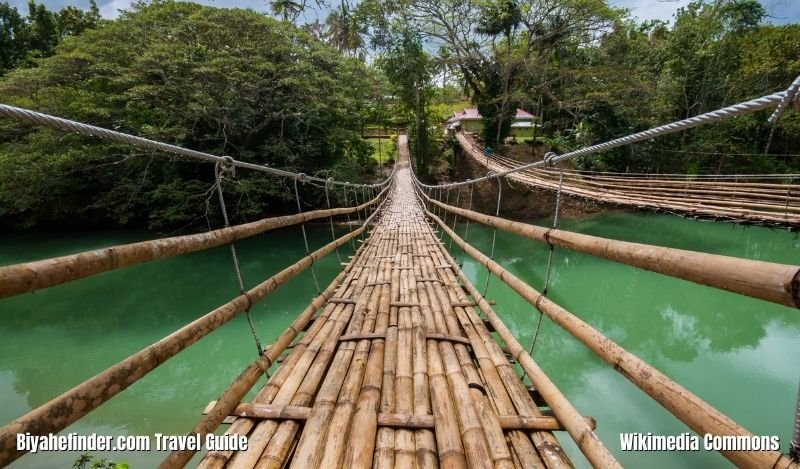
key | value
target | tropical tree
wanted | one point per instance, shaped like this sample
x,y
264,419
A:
x,y
410,69
287,10
344,31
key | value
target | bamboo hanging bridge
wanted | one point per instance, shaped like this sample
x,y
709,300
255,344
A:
x,y
400,361
767,199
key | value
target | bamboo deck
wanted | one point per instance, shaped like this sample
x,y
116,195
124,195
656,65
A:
x,y
746,201
397,370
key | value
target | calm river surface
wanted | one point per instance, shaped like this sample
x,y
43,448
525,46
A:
x,y
739,354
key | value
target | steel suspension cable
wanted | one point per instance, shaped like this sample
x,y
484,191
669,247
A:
x,y
466,229
447,201
794,446
455,218
67,125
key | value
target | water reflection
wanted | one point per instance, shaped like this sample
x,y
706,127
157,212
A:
x,y
56,338
722,346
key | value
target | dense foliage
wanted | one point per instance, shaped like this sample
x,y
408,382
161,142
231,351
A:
x,y
234,82
643,75
23,39
228,82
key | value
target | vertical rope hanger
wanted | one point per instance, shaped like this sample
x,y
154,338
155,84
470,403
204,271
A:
x,y
349,221
446,202
366,212
330,218
494,231
455,219
549,267
303,227
466,229
219,171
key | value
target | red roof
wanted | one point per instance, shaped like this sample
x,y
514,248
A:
x,y
473,114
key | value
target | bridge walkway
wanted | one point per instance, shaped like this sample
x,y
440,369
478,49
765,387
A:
x,y
398,369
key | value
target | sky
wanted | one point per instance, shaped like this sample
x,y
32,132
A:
x,y
779,11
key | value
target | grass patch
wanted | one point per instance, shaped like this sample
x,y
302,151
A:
x,y
383,152
446,110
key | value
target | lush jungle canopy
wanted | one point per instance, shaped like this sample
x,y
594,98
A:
x,y
270,91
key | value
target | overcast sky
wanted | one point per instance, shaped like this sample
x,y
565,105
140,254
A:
x,y
780,11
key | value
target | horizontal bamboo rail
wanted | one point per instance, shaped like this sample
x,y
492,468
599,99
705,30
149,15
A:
x,y
679,401
279,412
233,395
72,405
31,276
777,283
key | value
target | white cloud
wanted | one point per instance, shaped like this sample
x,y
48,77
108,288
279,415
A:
x,y
778,11
111,9
651,9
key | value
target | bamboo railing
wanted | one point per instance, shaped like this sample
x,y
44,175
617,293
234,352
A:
x,y
70,406
392,364
399,370
778,283
687,407
32,276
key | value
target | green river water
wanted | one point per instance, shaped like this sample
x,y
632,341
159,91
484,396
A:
x,y
741,355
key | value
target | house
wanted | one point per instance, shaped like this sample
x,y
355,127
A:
x,y
470,120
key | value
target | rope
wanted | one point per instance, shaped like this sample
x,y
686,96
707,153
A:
x,y
740,109
455,220
494,231
303,228
791,92
447,202
549,267
67,125
219,170
358,212
349,222
466,229
788,96
333,232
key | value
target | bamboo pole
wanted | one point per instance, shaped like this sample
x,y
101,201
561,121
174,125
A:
x,y
305,378
696,413
31,276
546,444
67,408
364,426
328,450
236,391
274,441
416,421
777,283
773,213
486,429
229,399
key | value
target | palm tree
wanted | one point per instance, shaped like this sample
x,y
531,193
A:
x,y
287,9
344,32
